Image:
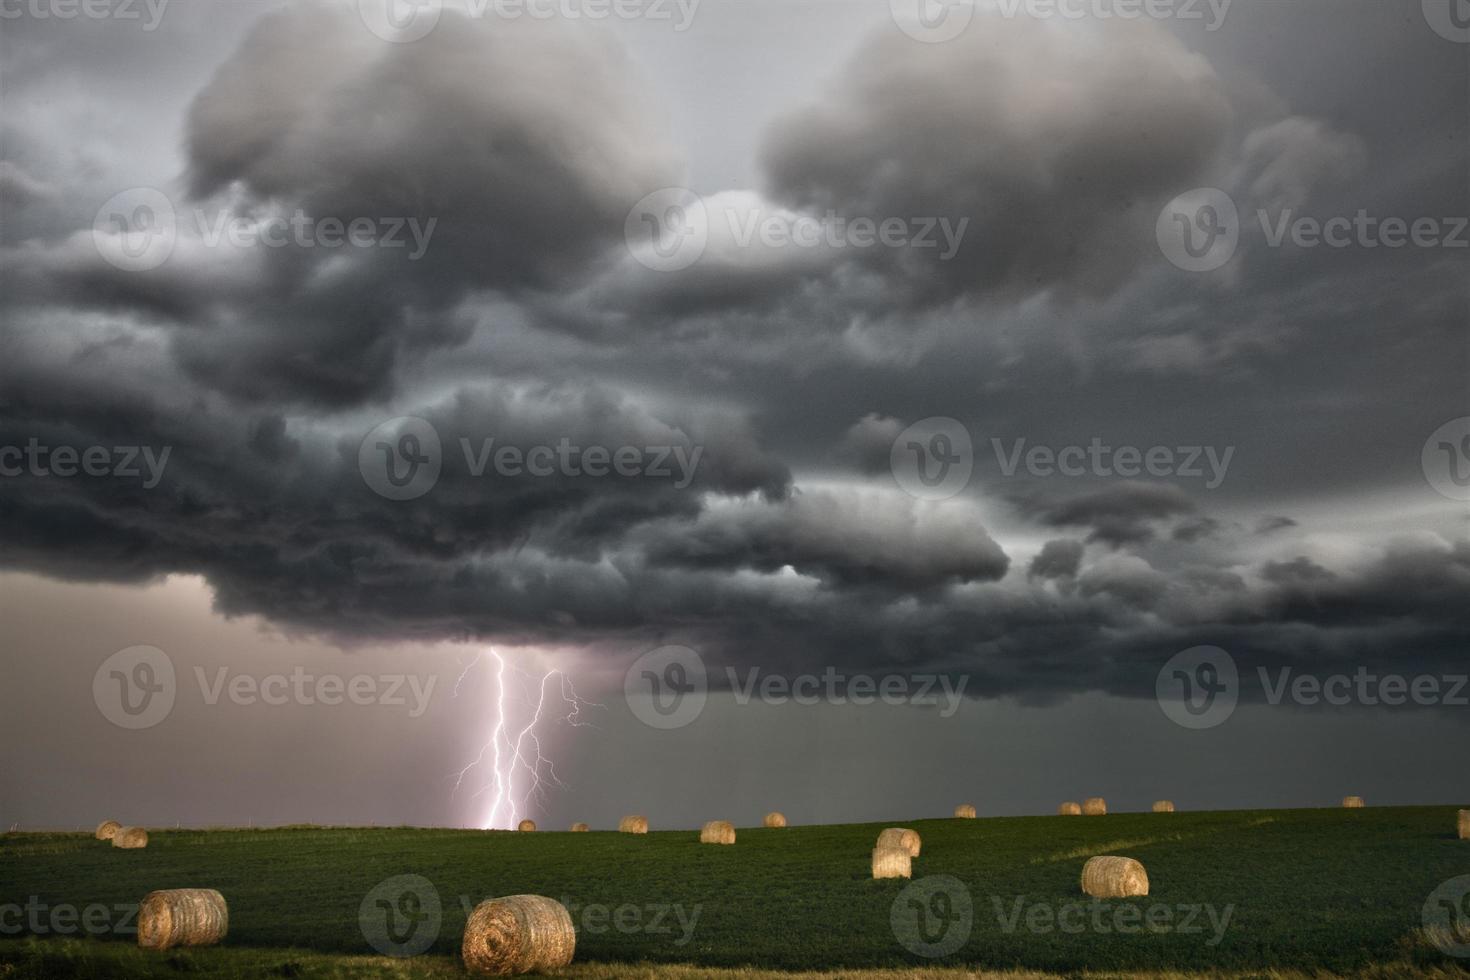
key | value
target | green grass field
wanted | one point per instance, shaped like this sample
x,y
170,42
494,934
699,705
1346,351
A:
x,y
1246,892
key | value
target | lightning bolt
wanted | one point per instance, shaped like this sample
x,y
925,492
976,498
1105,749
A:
x,y
519,770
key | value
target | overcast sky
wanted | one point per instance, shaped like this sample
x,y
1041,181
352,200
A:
x,y
276,273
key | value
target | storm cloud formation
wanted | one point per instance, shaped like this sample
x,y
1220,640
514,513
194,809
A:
x,y
787,374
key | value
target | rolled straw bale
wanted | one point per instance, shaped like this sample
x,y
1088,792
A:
x,y
182,917
130,838
526,826
892,862
1164,806
1094,806
107,830
1465,825
775,819
518,934
633,825
1352,802
580,828
902,838
717,832
965,811
1070,809
1114,877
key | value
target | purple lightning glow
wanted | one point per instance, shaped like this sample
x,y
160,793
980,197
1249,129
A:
x,y
519,770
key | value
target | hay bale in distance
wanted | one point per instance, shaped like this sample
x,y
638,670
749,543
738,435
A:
x,y
965,811
130,838
892,862
182,917
107,830
633,825
775,819
526,826
1094,806
580,828
1164,806
1114,877
902,838
1352,802
1070,809
518,934
717,832
1465,825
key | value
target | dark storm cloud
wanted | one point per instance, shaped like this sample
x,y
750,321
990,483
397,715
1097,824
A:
x,y
1125,513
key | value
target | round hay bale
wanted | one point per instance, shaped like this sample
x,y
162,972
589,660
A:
x,y
965,811
902,838
1164,806
717,832
130,838
775,819
580,828
892,862
182,917
1114,877
526,826
518,934
107,830
1070,809
633,825
1352,802
1465,825
1094,806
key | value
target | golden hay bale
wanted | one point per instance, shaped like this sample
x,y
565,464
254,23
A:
x,y
518,934
1094,806
526,826
775,819
580,828
1164,806
965,811
902,838
182,917
1465,825
1070,809
1352,802
130,838
1114,877
717,832
892,862
633,825
107,830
